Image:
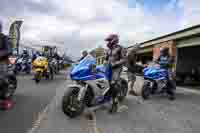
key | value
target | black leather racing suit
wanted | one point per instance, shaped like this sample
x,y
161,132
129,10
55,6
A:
x,y
165,61
5,51
116,57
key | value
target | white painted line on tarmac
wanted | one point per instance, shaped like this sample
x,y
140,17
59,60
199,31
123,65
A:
x,y
41,117
43,114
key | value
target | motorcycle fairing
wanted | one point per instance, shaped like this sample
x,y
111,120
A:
x,y
96,89
155,73
82,70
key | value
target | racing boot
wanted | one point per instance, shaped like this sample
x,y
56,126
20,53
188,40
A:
x,y
114,107
171,90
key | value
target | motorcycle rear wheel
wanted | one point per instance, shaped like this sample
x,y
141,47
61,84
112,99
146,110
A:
x,y
146,91
70,105
123,90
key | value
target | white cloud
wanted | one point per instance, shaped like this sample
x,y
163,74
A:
x,y
83,24
47,27
191,12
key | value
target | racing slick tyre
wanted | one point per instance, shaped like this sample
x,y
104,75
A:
x,y
146,90
37,77
123,90
71,106
9,87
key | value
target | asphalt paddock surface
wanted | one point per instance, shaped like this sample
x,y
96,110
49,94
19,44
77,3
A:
x,y
29,100
156,115
38,110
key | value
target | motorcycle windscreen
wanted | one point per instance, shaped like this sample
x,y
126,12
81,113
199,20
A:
x,y
82,71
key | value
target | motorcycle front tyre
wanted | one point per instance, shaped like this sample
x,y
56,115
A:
x,y
12,86
146,90
37,77
51,74
28,71
72,93
123,90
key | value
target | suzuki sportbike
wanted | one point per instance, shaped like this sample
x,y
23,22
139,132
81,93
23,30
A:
x,y
41,68
155,81
92,87
23,65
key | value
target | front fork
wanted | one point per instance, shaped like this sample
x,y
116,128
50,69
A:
x,y
82,91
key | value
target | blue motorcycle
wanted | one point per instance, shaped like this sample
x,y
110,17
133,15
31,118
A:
x,y
22,65
91,88
155,81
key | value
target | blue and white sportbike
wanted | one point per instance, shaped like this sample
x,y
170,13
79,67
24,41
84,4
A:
x,y
23,65
91,88
155,81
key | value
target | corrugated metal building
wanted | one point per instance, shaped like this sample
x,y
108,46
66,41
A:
x,y
184,45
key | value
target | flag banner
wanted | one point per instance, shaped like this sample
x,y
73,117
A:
x,y
14,34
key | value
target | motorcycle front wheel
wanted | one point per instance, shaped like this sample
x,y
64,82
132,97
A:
x,y
37,77
28,71
71,106
9,91
51,73
146,90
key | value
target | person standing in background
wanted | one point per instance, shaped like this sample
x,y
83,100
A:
x,y
131,66
166,61
135,88
5,50
84,54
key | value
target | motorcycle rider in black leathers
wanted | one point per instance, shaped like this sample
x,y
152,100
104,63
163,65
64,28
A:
x,y
5,74
116,57
35,55
5,51
166,61
25,54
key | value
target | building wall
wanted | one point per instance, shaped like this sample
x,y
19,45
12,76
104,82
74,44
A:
x,y
169,44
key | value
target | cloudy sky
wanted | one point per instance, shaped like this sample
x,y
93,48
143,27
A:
x,y
83,24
